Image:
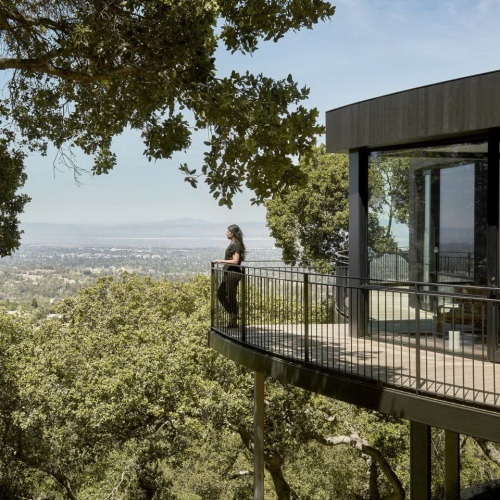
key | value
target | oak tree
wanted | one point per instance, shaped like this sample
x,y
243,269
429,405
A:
x,y
310,221
81,72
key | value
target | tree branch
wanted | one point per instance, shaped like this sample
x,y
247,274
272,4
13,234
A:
x,y
489,450
273,463
61,478
60,25
241,473
40,65
362,446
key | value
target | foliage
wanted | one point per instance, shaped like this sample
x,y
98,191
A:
x,y
310,222
124,371
389,187
80,73
389,197
121,398
12,178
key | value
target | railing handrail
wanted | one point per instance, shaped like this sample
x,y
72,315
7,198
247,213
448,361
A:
x,y
372,282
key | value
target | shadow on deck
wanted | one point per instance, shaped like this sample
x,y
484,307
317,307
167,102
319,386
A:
x,y
384,358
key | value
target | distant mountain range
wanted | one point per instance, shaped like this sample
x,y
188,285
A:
x,y
177,233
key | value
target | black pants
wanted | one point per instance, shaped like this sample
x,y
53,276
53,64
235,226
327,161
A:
x,y
228,291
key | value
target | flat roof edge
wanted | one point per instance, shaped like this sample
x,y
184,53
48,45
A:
x,y
411,89
462,106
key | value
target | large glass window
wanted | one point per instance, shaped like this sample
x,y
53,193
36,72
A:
x,y
427,213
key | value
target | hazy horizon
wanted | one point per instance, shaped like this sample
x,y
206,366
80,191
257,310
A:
x,y
369,48
173,233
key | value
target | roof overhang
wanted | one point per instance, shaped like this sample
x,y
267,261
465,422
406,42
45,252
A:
x,y
466,106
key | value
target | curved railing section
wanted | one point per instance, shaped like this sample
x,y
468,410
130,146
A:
x,y
435,339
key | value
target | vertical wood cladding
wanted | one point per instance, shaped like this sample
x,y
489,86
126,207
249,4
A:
x,y
457,107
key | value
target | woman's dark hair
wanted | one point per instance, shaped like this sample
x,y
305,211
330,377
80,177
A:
x,y
238,236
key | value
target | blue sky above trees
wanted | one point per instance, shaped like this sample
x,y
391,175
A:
x,y
369,48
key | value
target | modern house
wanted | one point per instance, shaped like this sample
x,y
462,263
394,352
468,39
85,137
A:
x,y
411,327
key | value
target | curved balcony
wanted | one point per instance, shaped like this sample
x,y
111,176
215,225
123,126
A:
x,y
415,350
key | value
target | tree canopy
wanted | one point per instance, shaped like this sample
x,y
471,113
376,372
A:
x,y
122,398
310,221
12,177
80,73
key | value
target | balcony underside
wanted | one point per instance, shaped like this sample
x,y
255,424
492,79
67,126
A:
x,y
446,395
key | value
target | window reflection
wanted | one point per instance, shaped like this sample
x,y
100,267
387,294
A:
x,y
427,211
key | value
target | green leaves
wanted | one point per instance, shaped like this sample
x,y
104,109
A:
x,y
127,367
87,71
310,221
12,178
255,135
246,23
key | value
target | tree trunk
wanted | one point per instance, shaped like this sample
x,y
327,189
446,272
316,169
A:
x,y
373,483
61,478
361,445
147,487
273,464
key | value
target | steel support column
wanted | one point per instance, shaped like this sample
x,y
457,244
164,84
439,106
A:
x,y
452,465
420,461
358,239
493,250
258,437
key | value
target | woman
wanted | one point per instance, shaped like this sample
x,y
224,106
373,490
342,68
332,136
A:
x,y
235,254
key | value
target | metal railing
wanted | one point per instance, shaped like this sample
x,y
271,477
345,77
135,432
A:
x,y
390,266
457,263
441,340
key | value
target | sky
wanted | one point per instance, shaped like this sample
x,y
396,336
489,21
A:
x,y
369,48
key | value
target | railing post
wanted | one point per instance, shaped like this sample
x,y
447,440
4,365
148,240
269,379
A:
x,y
417,337
397,264
492,325
306,317
243,324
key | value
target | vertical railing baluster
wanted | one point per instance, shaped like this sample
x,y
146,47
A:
x,y
397,265
306,317
243,305
417,337
212,294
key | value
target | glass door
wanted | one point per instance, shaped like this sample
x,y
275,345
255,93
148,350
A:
x,y
455,245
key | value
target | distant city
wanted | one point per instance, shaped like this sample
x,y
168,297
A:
x,y
37,277
178,233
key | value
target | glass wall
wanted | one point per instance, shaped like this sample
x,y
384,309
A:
x,y
427,214
427,223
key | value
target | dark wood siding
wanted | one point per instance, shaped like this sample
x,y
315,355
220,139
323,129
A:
x,y
457,107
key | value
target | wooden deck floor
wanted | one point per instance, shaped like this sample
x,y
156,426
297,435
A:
x,y
385,358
